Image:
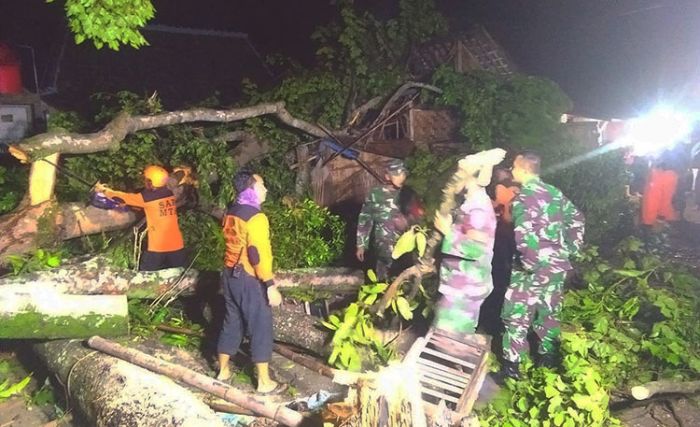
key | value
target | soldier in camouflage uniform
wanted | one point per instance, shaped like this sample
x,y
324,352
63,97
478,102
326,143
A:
x,y
548,232
467,248
381,217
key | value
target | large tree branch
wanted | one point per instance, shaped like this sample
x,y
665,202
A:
x,y
399,93
124,124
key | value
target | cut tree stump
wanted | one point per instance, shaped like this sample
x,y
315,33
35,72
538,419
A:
x,y
111,392
43,312
649,389
218,388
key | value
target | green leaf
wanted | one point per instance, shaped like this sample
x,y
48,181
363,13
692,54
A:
x,y
404,308
421,243
629,273
53,261
405,244
328,325
372,276
583,401
558,418
16,388
550,391
335,321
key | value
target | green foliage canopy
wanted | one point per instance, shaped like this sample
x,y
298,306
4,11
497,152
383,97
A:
x,y
111,23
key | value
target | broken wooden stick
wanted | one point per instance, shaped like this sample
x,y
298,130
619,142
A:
x,y
305,361
645,391
277,412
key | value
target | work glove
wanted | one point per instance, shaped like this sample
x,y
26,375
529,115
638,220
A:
x,y
100,187
274,297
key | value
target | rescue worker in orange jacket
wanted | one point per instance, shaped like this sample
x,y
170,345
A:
x,y
248,283
657,200
165,244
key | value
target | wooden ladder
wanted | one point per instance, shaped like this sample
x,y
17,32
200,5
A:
x,y
451,368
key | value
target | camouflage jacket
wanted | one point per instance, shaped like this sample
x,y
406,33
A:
x,y
380,214
548,227
475,215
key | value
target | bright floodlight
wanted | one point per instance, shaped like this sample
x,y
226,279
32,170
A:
x,y
660,129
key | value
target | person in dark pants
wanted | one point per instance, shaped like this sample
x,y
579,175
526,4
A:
x,y
502,191
166,248
248,283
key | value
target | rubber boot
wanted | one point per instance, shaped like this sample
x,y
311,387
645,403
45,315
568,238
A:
x,y
508,370
547,360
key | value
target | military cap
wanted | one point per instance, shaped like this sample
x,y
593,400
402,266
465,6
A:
x,y
396,167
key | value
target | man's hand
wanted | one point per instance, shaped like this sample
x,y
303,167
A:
x,y
274,297
442,223
360,254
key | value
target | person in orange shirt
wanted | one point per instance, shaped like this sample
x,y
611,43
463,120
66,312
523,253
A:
x,y
166,248
248,283
657,200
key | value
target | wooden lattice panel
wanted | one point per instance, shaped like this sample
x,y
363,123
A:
x,y
451,368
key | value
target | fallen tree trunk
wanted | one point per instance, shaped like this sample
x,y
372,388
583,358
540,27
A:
x,y
301,330
41,312
218,388
98,276
30,227
649,389
112,392
322,277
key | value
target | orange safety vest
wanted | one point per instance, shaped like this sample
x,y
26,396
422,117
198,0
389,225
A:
x,y
247,236
161,217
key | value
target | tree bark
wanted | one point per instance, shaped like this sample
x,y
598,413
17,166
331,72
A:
x,y
301,330
112,392
124,124
97,277
43,312
31,227
320,276
218,388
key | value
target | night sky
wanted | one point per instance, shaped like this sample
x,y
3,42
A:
x,y
613,58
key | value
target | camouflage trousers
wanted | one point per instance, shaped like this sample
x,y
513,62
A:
x,y
464,285
532,300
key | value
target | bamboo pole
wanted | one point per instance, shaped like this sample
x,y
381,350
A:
x,y
277,412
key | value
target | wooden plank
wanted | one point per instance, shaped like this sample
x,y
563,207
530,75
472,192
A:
x,y
474,350
448,358
443,368
436,381
463,353
466,402
455,378
442,396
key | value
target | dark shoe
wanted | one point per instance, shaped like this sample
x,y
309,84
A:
x,y
547,360
508,370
